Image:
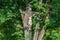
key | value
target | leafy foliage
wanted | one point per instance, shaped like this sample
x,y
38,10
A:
x,y
10,18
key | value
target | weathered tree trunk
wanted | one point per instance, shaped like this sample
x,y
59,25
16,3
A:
x,y
43,30
47,17
35,37
42,33
30,23
27,22
36,32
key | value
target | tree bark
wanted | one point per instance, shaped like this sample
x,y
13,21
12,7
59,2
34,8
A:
x,y
47,17
27,22
36,32
35,37
42,33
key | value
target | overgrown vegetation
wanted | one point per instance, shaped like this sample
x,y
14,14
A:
x,y
11,21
